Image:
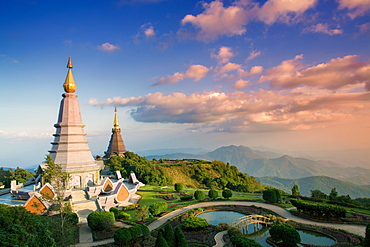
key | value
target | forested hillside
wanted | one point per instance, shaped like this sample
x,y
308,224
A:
x,y
192,173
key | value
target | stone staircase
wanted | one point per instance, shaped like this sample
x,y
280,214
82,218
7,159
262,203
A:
x,y
82,205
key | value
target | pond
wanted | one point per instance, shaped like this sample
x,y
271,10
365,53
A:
x,y
259,232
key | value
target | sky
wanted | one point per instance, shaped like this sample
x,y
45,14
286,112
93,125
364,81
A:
x,y
284,74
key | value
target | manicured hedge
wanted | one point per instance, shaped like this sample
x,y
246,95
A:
x,y
319,209
194,223
158,208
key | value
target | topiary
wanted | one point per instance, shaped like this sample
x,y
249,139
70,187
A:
x,y
227,193
157,208
194,223
101,220
115,211
179,187
199,195
285,233
213,194
123,216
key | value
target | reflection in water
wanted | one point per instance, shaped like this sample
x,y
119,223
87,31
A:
x,y
259,232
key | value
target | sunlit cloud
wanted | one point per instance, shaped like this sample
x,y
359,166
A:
x,y
283,10
323,28
149,32
356,8
107,47
241,84
253,54
332,75
195,72
264,110
224,55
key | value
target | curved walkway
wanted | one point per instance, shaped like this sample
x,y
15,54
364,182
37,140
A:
x,y
355,229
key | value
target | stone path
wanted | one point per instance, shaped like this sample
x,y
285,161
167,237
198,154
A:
x,y
355,229
219,239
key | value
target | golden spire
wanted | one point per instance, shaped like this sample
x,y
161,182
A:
x,y
69,85
115,121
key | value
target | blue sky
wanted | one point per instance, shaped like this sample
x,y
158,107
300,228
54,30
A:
x,y
285,74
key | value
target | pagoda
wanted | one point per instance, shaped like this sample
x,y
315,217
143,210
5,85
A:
x,y
116,146
70,149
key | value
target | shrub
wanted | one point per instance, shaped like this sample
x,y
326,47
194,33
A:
x,y
101,220
238,239
179,187
142,213
115,211
194,223
71,218
144,229
186,198
157,208
199,195
222,226
135,231
180,240
213,194
122,236
123,216
227,194
271,195
286,233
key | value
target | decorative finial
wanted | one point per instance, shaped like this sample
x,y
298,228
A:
x,y
69,64
115,121
69,85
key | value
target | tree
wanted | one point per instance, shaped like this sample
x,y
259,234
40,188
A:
x,y
180,238
122,236
169,235
21,175
271,195
59,180
213,194
142,213
318,194
199,195
333,194
227,194
367,236
179,187
160,242
286,233
295,190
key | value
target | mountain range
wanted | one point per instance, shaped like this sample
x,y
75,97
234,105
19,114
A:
x,y
274,165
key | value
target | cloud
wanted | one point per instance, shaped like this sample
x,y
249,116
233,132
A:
x,y
264,110
149,32
217,21
224,55
323,28
283,10
195,72
332,75
241,84
108,47
256,70
357,8
253,54
8,58
228,67
365,28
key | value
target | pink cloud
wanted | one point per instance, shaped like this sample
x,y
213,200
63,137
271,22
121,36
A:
x,y
228,67
108,47
332,75
357,8
149,32
253,54
282,10
195,72
323,28
217,20
224,55
241,84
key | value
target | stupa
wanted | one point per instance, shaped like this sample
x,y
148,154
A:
x,y
70,148
116,146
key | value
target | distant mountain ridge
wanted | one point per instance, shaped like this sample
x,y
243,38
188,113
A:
x,y
266,163
322,183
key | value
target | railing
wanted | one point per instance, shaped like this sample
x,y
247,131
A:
x,y
251,219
